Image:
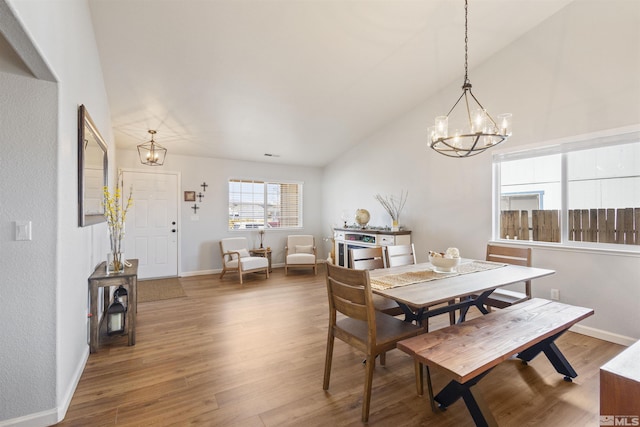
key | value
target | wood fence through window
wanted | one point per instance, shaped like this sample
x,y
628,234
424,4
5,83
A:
x,y
620,226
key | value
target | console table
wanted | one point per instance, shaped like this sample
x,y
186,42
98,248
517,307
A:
x,y
348,238
100,279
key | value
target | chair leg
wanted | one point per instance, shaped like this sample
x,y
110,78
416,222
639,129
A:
x,y
383,358
327,361
285,270
368,382
223,271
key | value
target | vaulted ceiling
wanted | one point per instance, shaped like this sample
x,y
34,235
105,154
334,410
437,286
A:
x,y
303,80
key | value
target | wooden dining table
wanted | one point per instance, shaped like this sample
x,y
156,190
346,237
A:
x,y
421,291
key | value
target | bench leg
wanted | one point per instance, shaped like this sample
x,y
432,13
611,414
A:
x,y
553,353
475,404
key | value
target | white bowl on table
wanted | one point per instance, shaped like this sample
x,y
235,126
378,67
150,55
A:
x,y
444,265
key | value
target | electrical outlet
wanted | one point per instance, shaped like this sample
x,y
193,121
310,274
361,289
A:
x,y
555,294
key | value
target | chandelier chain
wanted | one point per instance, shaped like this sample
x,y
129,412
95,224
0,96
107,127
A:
x,y
466,41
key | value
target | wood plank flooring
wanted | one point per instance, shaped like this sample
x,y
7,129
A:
x,y
249,356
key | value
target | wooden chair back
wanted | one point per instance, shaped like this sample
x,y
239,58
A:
x,y
398,255
511,255
366,258
350,293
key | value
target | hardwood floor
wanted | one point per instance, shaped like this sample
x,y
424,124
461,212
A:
x,y
248,356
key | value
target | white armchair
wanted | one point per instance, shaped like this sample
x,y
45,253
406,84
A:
x,y
236,257
300,252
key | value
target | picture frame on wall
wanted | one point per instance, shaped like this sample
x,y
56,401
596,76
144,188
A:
x,y
189,196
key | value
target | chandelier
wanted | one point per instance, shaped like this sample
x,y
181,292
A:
x,y
474,130
151,153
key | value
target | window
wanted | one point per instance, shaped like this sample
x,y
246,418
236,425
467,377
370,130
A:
x,y
582,190
260,204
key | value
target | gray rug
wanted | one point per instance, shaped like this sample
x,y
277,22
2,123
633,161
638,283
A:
x,y
159,289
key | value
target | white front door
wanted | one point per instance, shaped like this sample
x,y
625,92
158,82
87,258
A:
x,y
151,233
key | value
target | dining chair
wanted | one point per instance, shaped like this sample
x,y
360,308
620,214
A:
x,y
366,258
300,252
370,259
501,298
236,257
397,255
360,325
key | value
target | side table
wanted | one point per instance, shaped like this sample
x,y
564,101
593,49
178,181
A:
x,y
100,279
263,252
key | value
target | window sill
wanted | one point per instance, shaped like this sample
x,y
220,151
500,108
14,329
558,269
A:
x,y
603,248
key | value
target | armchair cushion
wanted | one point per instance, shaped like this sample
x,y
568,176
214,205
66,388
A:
x,y
243,254
301,259
304,249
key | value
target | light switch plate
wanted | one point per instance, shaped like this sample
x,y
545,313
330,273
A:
x,y
23,230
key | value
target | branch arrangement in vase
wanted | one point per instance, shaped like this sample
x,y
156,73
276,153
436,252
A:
x,y
393,205
116,214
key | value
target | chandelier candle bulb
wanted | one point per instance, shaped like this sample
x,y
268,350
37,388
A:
x,y
442,126
505,123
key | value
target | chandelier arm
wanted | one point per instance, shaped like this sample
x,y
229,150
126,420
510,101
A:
x,y
473,146
454,105
484,109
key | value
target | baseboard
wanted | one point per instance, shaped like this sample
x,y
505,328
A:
x,y
44,418
54,415
66,401
603,335
216,271
200,272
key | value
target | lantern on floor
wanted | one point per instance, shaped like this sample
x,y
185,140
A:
x,y
122,295
115,317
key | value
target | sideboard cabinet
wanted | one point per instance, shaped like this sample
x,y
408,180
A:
x,y
350,238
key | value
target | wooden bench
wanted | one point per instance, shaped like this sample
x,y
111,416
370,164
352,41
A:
x,y
468,351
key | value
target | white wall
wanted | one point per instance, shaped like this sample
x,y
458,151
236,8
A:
x,y
200,249
28,287
567,77
44,281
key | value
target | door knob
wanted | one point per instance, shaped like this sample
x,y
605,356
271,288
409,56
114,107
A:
x,y
173,230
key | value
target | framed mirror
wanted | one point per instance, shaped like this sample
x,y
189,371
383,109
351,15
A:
x,y
92,170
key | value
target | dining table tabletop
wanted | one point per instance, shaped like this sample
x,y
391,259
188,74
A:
x,y
419,287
